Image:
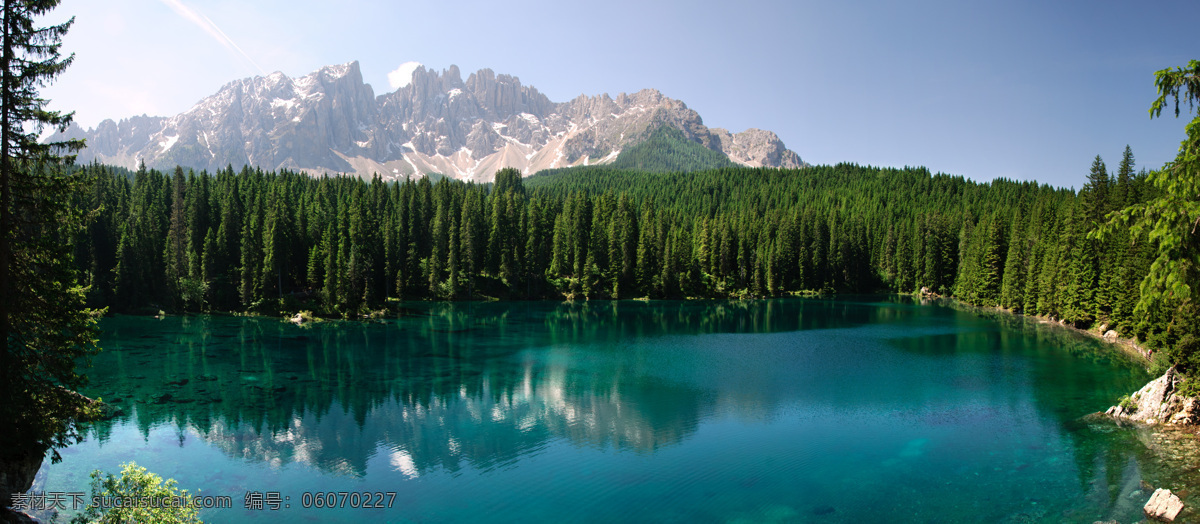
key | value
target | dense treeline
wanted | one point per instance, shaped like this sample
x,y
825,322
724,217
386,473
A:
x,y
254,240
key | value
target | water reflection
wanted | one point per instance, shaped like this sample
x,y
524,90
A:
x,y
453,386
446,383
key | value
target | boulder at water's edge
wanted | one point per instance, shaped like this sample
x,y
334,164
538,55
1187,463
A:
x,y
1163,505
1159,403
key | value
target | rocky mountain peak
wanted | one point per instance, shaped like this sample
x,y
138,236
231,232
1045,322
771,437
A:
x,y
331,121
336,72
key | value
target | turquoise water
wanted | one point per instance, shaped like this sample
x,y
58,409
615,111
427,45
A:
x,y
867,410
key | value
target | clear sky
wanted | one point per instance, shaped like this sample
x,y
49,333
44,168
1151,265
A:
x,y
1028,90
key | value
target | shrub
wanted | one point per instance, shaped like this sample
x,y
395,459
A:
x,y
1128,404
136,483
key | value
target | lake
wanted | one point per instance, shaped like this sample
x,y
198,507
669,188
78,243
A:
x,y
866,409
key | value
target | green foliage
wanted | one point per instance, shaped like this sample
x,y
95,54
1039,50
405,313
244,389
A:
x,y
508,180
343,246
668,150
44,330
192,292
1128,403
1168,220
139,496
1160,362
346,247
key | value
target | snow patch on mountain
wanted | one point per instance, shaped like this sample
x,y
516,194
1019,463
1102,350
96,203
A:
x,y
329,121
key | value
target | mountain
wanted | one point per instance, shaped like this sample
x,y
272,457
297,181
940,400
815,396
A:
x,y
330,121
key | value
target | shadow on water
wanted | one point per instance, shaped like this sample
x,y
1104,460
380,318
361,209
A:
x,y
481,385
1118,465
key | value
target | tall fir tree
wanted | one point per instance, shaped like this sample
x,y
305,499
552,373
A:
x,y
44,329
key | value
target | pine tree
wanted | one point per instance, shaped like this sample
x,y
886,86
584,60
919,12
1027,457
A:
x,y
441,243
559,250
646,261
177,241
330,243
508,180
1096,191
1125,174
452,264
510,262
228,241
496,247
1012,287
276,245
624,258
991,263
44,328
1169,220
207,265
469,238
581,221
198,220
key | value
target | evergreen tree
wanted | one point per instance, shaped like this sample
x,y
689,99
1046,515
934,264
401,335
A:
x,y
44,328
1125,176
177,237
611,234
469,237
1168,221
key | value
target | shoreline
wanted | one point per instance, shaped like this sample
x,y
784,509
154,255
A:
x,y
1174,443
1128,346
398,306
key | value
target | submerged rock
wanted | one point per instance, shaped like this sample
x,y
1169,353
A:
x,y
823,510
107,411
1159,403
1163,505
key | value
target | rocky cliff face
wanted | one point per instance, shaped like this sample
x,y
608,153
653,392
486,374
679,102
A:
x,y
16,475
1159,403
330,121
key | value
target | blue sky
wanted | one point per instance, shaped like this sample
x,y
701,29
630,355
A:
x,y
1016,89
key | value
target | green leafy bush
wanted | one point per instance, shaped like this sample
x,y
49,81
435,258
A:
x,y
1128,403
137,496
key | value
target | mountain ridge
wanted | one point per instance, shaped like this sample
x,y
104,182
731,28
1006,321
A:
x,y
331,121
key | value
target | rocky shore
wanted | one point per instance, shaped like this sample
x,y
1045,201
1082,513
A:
x,y
1159,402
1170,421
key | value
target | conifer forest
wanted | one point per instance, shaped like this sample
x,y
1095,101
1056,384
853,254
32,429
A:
x,y
273,242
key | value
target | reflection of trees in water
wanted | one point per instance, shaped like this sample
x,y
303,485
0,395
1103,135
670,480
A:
x,y
440,385
1111,462
456,385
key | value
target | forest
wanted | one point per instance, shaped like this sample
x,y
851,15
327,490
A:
x,y
272,242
